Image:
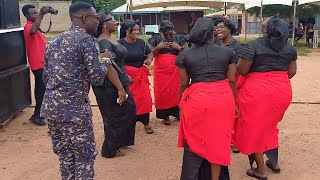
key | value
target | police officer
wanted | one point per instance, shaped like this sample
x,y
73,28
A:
x,y
71,65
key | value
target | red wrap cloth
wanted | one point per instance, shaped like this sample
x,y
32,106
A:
x,y
239,81
140,89
166,82
206,124
263,100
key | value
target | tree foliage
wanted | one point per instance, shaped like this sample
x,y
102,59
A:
x,y
109,5
101,5
303,11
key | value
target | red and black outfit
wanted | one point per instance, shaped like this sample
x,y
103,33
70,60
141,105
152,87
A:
x,y
140,90
207,110
264,96
36,46
166,79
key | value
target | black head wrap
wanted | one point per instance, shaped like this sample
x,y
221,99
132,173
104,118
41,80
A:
x,y
227,23
214,19
166,25
102,19
127,24
278,32
202,31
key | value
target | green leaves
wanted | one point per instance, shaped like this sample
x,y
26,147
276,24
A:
x,y
303,11
109,4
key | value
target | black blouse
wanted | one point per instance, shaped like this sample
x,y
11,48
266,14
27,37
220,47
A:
x,y
208,63
119,53
137,52
179,39
266,59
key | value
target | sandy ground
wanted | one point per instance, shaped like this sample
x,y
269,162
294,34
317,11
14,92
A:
x,y
26,150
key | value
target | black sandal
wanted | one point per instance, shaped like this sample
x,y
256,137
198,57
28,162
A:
x,y
166,122
149,130
251,173
270,166
234,149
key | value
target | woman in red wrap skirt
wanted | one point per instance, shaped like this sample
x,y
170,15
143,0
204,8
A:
x,y
166,77
208,89
139,54
266,93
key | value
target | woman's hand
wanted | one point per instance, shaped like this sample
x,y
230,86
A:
x,y
175,46
106,54
237,112
147,62
122,96
163,45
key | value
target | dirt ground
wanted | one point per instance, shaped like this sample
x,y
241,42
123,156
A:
x,y
26,150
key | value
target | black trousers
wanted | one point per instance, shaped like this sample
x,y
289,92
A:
x,y
195,167
39,90
165,113
299,36
144,118
308,37
272,155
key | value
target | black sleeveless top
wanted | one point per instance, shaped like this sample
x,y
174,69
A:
x,y
119,53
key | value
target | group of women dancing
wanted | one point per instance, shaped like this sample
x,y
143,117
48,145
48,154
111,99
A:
x,y
227,95
233,95
131,56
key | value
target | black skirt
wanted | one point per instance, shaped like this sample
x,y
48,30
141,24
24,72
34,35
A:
x,y
165,113
195,167
119,121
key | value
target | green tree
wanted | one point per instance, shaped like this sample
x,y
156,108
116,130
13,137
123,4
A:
x,y
109,5
303,11
101,5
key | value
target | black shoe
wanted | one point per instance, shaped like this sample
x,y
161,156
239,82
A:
x,y
166,121
37,121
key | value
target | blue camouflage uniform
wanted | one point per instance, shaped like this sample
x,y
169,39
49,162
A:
x,y
71,65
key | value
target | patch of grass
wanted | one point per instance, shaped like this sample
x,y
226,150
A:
x,y
302,49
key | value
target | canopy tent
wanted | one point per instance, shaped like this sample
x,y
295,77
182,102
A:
x,y
221,13
185,8
316,2
139,4
124,9
249,3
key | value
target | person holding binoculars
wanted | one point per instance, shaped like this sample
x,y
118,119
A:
x,y
36,45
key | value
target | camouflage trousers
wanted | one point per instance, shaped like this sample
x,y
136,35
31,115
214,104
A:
x,y
74,144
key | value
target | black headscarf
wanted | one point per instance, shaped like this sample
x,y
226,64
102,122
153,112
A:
x,y
227,23
165,26
278,32
202,31
127,24
102,19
